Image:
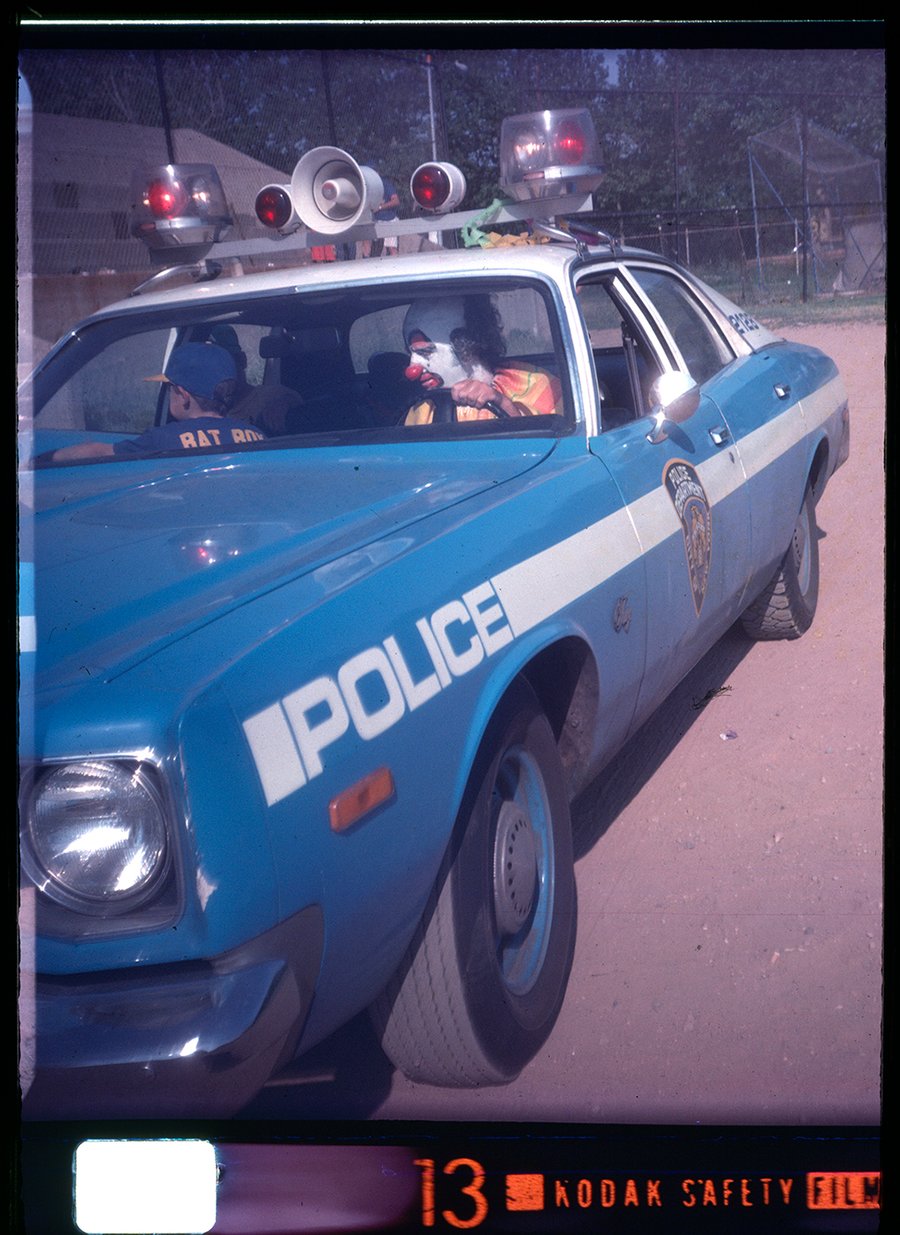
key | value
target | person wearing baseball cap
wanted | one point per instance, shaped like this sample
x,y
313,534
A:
x,y
201,379
202,369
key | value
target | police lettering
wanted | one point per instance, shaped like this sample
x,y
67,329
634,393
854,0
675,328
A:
x,y
374,689
743,322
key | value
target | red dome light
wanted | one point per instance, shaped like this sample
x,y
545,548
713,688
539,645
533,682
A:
x,y
274,207
166,198
430,187
569,144
437,186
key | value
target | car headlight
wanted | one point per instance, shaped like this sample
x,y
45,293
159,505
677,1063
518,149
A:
x,y
95,836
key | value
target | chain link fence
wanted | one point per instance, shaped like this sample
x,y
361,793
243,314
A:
x,y
761,254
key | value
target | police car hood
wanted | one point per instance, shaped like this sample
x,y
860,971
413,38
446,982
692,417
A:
x,y
129,557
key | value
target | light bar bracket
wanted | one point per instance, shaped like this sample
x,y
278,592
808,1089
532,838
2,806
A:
x,y
209,263
304,238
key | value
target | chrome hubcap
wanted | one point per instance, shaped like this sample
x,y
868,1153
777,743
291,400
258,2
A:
x,y
801,552
515,869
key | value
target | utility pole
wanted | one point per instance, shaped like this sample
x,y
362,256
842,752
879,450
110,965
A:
x,y
429,71
804,179
329,106
676,141
164,105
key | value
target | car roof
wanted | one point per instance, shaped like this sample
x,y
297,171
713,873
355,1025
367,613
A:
x,y
515,259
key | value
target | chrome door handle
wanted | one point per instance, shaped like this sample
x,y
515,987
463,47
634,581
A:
x,y
720,435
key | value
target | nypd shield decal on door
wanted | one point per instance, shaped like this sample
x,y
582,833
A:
x,y
692,507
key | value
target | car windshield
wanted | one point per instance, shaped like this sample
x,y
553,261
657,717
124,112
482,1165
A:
x,y
311,368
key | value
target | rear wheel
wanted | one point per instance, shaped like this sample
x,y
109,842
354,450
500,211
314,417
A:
x,y
485,975
787,605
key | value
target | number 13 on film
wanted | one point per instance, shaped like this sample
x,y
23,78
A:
x,y
467,1178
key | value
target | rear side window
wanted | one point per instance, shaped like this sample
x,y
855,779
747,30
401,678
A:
x,y
701,345
624,363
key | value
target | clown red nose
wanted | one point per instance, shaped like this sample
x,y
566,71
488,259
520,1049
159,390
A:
x,y
428,331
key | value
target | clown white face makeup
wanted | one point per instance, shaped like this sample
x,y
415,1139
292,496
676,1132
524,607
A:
x,y
434,362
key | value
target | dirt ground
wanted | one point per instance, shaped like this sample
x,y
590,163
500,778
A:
x,y
728,964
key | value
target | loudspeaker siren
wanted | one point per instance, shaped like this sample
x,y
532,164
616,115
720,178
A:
x,y
374,186
332,192
337,196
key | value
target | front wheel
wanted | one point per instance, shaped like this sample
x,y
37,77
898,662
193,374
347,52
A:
x,y
485,976
787,605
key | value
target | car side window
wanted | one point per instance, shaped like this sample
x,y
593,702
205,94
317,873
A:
x,y
108,394
702,347
526,325
375,334
506,329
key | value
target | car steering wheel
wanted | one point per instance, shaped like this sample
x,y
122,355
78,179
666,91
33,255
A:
x,y
445,407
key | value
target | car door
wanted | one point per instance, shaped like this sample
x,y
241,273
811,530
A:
x,y
702,351
683,484
760,396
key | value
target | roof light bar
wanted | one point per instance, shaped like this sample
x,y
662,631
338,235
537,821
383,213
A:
x,y
179,205
547,153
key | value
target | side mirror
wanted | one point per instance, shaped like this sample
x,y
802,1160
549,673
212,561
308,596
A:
x,y
675,397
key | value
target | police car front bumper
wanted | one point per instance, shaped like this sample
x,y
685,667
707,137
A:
x,y
196,1040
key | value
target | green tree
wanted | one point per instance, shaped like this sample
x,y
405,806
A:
x,y
673,128
686,116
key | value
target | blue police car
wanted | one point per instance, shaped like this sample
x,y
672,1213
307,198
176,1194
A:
x,y
310,679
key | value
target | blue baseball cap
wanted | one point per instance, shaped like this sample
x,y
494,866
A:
x,y
198,368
